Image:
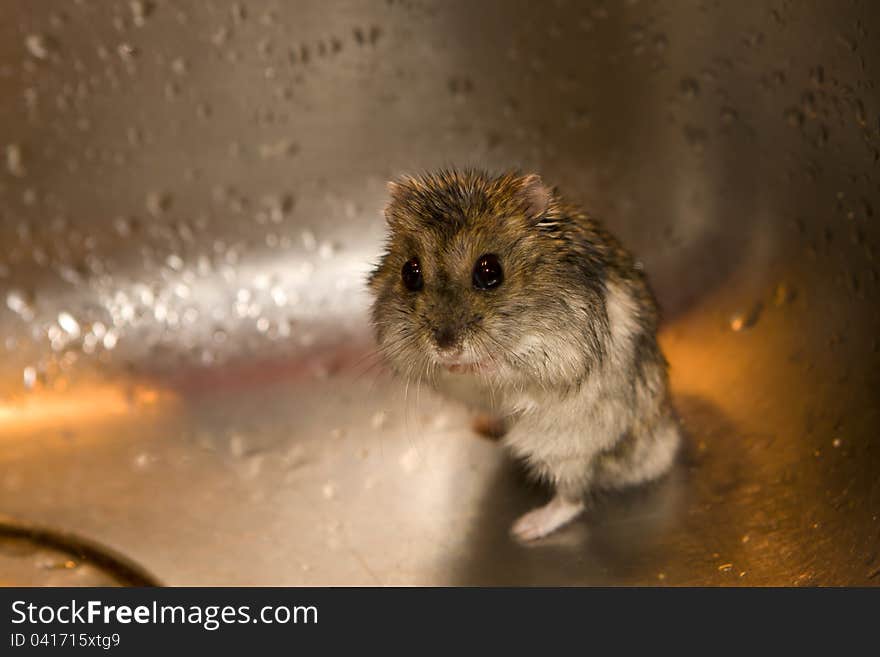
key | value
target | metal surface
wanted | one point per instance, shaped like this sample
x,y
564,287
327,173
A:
x,y
36,556
191,195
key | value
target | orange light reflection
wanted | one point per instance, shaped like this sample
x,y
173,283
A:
x,y
87,403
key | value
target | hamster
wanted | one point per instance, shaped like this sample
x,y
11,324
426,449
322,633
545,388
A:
x,y
495,286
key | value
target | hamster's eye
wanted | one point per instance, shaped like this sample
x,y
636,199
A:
x,y
487,272
412,275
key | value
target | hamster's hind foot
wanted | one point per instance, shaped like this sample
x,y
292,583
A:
x,y
546,519
489,426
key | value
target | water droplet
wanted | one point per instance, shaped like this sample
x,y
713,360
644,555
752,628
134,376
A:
x,y
310,243
123,226
143,460
127,51
728,115
29,377
40,256
110,340
21,304
264,47
580,117
89,343
794,117
282,148
239,13
743,320
689,88
140,11
409,460
861,115
69,324
179,66
172,90
174,261
808,102
279,296
783,294
220,37
158,203
460,87
695,137
253,466
379,419
15,160
38,46
278,206
237,445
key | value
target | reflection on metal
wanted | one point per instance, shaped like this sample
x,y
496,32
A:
x,y
191,195
42,409
37,556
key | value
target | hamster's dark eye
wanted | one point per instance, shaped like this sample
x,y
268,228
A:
x,y
412,275
487,272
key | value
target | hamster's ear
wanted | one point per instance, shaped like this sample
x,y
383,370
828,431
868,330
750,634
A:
x,y
400,189
535,195
398,192
394,189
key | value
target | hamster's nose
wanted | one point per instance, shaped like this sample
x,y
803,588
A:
x,y
444,336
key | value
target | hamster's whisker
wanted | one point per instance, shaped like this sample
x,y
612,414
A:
x,y
370,369
419,389
490,380
432,372
406,399
382,356
413,405
378,353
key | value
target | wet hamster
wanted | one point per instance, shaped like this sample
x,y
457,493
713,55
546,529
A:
x,y
496,283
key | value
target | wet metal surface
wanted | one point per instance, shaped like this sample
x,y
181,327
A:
x,y
190,197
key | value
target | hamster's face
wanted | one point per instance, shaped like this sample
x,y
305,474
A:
x,y
474,282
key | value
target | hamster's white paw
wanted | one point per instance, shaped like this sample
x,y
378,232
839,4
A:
x,y
546,519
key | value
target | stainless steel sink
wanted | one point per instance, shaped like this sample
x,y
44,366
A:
x,y
190,198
